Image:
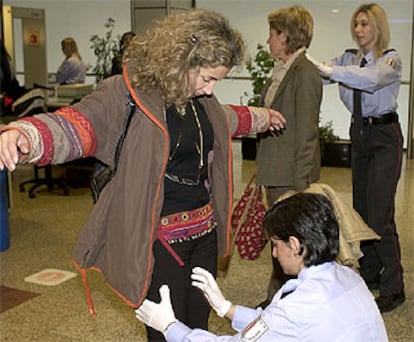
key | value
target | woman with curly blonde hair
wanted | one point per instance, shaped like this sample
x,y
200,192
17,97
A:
x,y
166,53
168,207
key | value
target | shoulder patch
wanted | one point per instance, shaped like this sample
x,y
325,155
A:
x,y
391,62
353,51
255,330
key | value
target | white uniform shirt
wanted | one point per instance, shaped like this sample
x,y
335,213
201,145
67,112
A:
x,y
379,81
330,303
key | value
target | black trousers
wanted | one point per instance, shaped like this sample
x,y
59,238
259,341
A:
x,y
376,169
189,304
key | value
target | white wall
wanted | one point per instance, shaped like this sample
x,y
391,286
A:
x,y
83,18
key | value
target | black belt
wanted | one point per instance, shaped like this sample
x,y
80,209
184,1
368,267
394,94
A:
x,y
380,120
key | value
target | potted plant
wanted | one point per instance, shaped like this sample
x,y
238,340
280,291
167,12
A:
x,y
334,151
259,69
104,48
326,136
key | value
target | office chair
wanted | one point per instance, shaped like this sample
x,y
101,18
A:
x,y
47,180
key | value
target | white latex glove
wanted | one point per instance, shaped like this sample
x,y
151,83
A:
x,y
205,281
324,69
157,316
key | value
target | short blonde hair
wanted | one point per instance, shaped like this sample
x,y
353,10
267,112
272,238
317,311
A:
x,y
379,22
296,22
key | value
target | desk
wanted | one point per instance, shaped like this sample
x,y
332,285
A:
x,y
68,94
57,103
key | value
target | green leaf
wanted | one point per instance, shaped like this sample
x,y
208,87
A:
x,y
104,48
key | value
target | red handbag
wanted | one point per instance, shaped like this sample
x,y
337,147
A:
x,y
247,222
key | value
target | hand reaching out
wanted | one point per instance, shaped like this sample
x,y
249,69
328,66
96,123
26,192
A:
x,y
324,69
205,281
159,316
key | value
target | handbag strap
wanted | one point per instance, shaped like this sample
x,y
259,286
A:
x,y
131,110
238,221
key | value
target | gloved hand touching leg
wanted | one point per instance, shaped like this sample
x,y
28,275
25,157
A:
x,y
159,316
205,281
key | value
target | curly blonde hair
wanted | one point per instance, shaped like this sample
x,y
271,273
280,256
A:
x,y
186,40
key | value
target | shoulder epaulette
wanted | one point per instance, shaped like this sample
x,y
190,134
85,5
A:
x,y
353,51
386,51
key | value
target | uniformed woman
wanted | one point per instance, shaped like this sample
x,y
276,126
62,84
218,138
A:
x,y
369,79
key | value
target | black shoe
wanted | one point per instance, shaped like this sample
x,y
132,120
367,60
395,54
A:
x,y
263,304
389,303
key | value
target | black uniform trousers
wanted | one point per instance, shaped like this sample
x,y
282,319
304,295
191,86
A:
x,y
376,169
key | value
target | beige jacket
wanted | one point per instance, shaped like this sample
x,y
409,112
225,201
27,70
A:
x,y
352,228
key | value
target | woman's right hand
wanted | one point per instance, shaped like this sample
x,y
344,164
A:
x,y
12,143
205,281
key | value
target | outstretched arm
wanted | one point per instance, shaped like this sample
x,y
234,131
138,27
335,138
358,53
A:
x,y
245,120
205,281
324,70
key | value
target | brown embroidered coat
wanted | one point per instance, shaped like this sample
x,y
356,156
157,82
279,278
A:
x,y
119,233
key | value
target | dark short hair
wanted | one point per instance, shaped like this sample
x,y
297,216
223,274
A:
x,y
311,219
124,36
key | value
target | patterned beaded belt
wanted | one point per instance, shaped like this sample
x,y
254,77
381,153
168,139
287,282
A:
x,y
187,225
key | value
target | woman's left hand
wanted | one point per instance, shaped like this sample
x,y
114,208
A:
x,y
277,120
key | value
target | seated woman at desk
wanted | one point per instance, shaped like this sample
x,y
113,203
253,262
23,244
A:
x,y
72,70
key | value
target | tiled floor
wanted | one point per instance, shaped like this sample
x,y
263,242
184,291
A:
x,y
43,231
